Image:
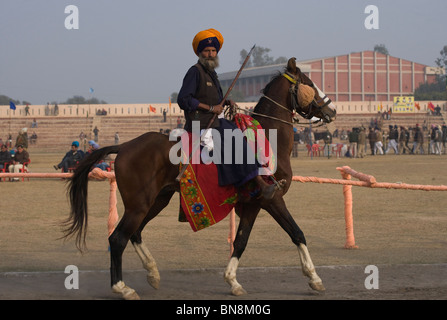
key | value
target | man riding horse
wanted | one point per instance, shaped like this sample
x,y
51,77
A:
x,y
147,190
201,99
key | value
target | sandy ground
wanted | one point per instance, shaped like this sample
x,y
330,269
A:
x,y
403,233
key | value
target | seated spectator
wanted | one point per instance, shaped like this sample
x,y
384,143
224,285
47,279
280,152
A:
x,y
20,157
5,156
71,158
22,138
103,165
33,138
92,146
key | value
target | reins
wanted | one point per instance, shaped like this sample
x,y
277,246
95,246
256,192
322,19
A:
x,y
294,120
264,115
295,106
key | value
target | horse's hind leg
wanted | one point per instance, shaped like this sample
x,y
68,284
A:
x,y
153,276
118,241
279,212
130,226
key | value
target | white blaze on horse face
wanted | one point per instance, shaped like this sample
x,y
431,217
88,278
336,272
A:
x,y
321,94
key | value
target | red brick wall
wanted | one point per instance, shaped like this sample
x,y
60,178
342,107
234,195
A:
x,y
370,74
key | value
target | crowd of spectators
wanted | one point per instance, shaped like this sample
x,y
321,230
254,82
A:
x,y
395,140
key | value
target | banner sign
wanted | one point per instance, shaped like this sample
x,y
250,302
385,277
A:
x,y
403,104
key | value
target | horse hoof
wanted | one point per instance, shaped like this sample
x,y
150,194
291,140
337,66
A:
x,y
317,286
131,296
238,291
153,281
126,292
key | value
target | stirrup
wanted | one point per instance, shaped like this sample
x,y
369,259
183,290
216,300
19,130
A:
x,y
269,192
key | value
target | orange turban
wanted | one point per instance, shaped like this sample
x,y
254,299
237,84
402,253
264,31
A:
x,y
207,38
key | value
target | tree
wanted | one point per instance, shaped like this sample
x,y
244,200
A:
x,y
4,100
174,97
442,61
260,57
438,89
442,67
431,91
82,100
235,95
381,49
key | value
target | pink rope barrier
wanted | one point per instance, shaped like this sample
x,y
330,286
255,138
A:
x,y
99,174
365,181
96,173
349,222
346,172
232,233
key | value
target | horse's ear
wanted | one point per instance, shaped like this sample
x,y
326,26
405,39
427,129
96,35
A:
x,y
291,65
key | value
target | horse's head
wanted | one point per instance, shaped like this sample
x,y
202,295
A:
x,y
319,105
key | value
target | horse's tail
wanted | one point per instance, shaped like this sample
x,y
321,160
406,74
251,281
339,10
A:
x,y
76,223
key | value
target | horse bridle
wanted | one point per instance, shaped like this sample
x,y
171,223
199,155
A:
x,y
293,90
296,82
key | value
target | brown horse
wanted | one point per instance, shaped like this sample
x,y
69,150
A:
x,y
147,191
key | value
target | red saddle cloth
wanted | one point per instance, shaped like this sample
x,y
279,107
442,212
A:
x,y
203,201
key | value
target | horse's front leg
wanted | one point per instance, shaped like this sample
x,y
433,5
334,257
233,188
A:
x,y
308,268
248,216
279,212
230,277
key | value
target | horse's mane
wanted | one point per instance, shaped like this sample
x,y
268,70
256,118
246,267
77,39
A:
x,y
258,108
267,87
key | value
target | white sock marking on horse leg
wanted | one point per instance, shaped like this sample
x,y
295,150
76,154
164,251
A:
x,y
153,276
309,269
125,291
230,277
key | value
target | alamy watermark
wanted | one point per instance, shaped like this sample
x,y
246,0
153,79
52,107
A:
x,y
372,280
372,20
235,148
72,280
72,20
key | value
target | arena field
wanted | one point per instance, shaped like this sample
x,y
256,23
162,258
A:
x,y
402,232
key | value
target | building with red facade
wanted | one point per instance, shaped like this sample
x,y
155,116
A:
x,y
359,76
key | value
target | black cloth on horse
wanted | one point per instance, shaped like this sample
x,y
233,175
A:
x,y
233,173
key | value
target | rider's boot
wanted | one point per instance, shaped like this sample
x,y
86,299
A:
x,y
268,190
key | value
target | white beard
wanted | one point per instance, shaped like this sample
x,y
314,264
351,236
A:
x,y
211,63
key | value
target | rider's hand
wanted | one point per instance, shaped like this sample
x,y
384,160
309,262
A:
x,y
218,109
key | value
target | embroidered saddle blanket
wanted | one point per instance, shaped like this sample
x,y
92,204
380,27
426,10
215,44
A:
x,y
203,201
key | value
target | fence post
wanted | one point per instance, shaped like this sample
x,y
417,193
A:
x,y
232,233
347,193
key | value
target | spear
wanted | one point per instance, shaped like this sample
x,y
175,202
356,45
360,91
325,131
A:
x,y
215,115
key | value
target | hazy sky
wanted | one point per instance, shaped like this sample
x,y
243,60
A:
x,y
137,51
